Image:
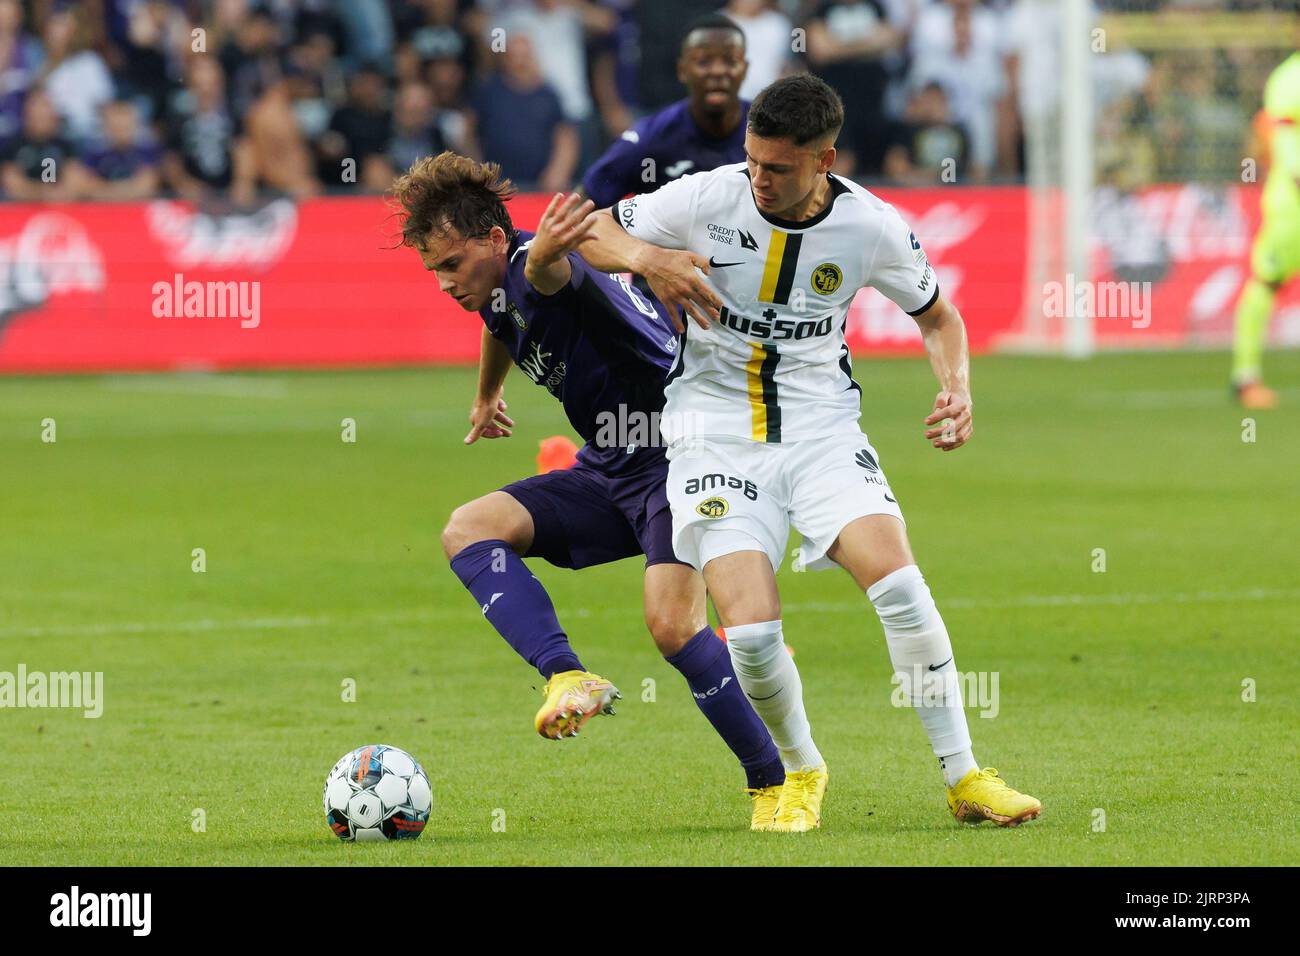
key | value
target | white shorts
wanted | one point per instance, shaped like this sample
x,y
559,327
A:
x,y
762,489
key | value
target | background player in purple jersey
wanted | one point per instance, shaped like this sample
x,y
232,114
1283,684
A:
x,y
603,349
704,131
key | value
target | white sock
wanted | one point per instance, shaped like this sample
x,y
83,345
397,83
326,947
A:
x,y
923,662
769,679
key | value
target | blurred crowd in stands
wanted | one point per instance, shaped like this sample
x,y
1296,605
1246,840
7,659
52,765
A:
x,y
229,99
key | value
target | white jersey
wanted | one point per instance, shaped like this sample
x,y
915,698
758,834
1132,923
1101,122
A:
x,y
775,368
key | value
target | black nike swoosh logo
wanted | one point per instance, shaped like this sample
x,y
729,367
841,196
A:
x,y
935,667
887,498
768,697
723,265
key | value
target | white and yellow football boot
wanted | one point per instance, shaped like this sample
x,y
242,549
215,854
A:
x,y
983,795
573,698
799,808
764,801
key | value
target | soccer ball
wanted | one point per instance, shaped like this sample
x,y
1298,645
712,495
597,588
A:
x,y
377,792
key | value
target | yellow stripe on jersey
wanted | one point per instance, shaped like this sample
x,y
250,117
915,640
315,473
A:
x,y
754,379
772,267
779,267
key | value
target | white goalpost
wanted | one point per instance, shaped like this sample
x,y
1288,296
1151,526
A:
x,y
1077,166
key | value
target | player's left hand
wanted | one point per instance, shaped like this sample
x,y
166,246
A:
x,y
567,222
951,419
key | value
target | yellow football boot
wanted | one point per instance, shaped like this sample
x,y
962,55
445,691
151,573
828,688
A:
x,y
764,806
573,698
799,808
983,795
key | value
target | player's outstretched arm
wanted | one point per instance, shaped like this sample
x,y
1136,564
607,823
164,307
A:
x,y
944,334
673,274
563,226
487,416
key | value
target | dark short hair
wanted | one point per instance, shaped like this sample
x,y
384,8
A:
x,y
449,191
800,107
713,21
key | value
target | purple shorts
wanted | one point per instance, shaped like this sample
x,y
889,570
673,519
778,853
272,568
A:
x,y
583,517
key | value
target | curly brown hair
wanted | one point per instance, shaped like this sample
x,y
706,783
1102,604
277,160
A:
x,y
449,191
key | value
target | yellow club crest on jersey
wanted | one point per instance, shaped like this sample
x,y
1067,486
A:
x,y
826,278
713,507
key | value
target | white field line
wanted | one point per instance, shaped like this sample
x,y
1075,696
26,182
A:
x,y
239,386
238,624
99,428
1169,398
428,615
1070,600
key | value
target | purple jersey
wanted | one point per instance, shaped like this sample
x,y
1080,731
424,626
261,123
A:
x,y
677,146
598,345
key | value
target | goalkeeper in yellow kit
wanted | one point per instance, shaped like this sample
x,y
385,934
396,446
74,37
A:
x,y
1275,256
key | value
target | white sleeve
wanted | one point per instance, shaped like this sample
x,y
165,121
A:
x,y
663,217
900,269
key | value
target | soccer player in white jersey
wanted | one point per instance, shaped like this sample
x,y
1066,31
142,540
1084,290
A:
x,y
762,418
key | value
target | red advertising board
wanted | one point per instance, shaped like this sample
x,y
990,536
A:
x,y
163,285
1192,244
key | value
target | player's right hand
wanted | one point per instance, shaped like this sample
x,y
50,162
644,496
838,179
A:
x,y
674,278
565,225
488,420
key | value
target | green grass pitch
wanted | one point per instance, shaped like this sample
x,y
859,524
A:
x,y
1120,692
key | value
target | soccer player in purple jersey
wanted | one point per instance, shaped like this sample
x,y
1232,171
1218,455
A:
x,y
603,349
704,131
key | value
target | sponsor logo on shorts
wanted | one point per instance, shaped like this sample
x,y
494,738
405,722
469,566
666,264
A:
x,y
708,482
866,460
826,278
713,507
627,212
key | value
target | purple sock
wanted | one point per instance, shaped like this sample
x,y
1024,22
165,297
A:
x,y
516,604
706,665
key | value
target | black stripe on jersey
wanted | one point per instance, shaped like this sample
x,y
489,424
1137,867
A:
x,y
925,308
767,374
846,364
789,262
